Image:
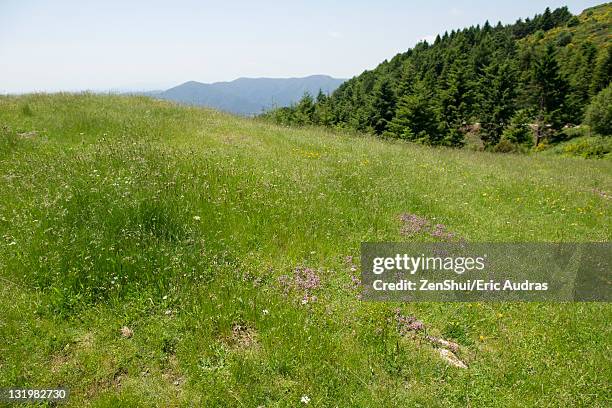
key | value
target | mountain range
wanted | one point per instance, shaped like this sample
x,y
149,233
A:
x,y
249,96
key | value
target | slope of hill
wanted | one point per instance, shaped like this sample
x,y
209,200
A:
x,y
542,71
250,96
147,251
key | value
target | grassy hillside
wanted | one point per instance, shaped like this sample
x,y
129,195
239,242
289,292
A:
x,y
592,25
177,225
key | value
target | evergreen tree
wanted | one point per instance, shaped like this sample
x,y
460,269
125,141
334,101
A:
x,y
323,114
518,132
580,78
546,21
497,101
549,90
407,79
602,74
382,106
416,118
304,112
477,74
455,102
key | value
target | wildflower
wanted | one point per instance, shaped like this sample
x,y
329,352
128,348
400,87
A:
x,y
196,218
305,399
439,231
408,323
306,278
413,224
265,312
165,297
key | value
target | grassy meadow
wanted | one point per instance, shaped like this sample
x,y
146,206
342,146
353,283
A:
x,y
148,255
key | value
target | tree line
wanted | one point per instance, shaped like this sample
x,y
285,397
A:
x,y
509,84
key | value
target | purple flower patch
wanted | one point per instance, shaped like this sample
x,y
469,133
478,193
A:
x,y
415,224
304,280
407,324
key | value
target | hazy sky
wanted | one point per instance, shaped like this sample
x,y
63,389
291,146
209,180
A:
x,y
78,44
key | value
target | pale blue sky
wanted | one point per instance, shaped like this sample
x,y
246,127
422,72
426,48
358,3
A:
x,y
77,44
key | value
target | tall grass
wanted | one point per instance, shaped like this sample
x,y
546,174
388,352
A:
x,y
178,222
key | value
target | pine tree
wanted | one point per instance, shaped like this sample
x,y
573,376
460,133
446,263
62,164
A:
x,y
304,112
465,74
455,101
497,101
602,74
382,106
518,131
407,78
323,114
580,78
549,90
416,118
546,21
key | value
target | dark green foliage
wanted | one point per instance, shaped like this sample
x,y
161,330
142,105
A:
x,y
383,107
456,102
602,74
498,93
416,118
599,112
323,113
548,91
305,110
573,21
564,38
544,22
581,66
518,132
549,67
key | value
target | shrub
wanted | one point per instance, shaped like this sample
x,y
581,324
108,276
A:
x,y
599,112
595,147
519,132
573,22
564,38
505,146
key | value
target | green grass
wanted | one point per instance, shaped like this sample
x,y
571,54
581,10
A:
x,y
177,222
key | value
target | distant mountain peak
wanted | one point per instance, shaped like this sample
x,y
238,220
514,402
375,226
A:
x,y
250,96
